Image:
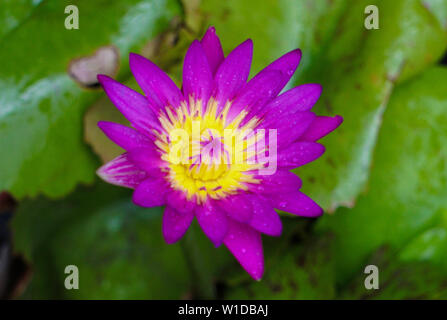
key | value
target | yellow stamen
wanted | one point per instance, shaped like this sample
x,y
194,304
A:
x,y
224,168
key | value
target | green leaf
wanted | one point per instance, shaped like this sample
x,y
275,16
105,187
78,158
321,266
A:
x,y
430,246
42,106
276,27
408,188
117,246
297,266
207,263
399,280
358,69
14,12
437,8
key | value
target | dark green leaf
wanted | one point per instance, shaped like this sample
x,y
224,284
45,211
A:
x,y
42,107
117,246
358,69
275,26
297,266
408,187
399,280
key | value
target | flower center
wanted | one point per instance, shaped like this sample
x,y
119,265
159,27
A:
x,y
206,156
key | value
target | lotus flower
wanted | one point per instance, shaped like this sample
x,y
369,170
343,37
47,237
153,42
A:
x,y
198,152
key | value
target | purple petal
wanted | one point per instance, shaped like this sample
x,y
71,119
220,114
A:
x,y
245,244
146,159
150,193
265,219
321,127
282,181
121,172
237,207
301,98
127,138
177,200
299,153
232,74
134,106
213,222
175,224
287,64
213,49
160,90
296,203
258,91
290,128
197,76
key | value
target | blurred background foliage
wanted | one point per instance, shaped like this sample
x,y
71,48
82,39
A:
x,y
382,181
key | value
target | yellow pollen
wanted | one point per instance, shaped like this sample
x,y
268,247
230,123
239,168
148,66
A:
x,y
207,157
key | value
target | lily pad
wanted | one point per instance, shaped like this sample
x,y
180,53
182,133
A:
x,y
118,247
42,106
398,280
13,12
297,266
358,69
430,246
408,188
275,26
